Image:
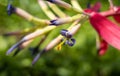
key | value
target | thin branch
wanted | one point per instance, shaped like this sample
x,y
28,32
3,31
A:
x,y
111,4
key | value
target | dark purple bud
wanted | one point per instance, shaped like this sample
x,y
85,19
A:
x,y
71,42
54,22
15,46
66,33
52,1
37,57
10,9
63,32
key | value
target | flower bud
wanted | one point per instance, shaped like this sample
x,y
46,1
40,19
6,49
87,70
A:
x,y
66,33
71,42
10,9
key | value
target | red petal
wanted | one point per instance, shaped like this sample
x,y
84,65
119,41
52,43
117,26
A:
x,y
88,10
103,48
109,31
117,18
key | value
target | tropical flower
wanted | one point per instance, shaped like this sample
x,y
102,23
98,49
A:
x,y
104,26
106,29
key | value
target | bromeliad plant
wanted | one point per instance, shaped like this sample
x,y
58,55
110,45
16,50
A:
x,y
107,30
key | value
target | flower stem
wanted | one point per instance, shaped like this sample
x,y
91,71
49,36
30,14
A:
x,y
57,11
46,10
76,5
111,3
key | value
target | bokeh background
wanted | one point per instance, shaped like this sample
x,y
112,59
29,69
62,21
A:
x,y
79,60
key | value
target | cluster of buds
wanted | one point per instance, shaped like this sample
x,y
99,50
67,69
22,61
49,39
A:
x,y
107,30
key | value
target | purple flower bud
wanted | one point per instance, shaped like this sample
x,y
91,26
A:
x,y
15,46
10,9
65,33
54,22
71,42
38,56
52,1
68,35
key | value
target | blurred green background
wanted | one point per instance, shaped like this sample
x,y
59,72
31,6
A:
x,y
79,60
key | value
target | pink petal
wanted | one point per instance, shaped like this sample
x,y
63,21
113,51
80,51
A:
x,y
96,7
109,31
117,16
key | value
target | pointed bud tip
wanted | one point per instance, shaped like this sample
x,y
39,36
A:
x,y
36,58
54,22
10,50
52,1
15,46
10,9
